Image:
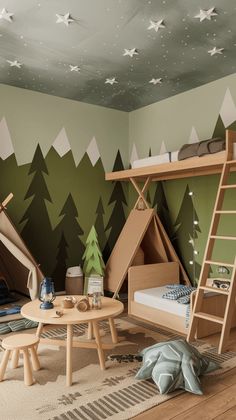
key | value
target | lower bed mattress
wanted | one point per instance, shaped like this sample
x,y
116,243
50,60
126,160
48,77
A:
x,y
153,298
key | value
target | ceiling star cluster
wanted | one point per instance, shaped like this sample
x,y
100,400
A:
x,y
66,19
206,14
118,54
215,50
130,52
5,15
111,81
14,63
156,25
156,81
74,68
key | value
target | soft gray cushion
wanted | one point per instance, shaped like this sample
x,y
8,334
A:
x,y
174,364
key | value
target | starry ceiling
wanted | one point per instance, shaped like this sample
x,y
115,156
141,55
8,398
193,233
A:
x,y
122,54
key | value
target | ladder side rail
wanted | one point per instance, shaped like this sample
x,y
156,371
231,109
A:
x,y
229,310
207,255
230,140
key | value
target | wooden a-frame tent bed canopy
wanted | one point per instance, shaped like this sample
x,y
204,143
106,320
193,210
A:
x,y
143,231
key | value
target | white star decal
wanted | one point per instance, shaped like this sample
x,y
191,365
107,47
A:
x,y
215,51
74,68
6,15
131,52
206,14
156,25
111,81
156,81
66,19
14,63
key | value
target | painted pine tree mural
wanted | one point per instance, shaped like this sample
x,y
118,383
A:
x,y
117,218
59,273
161,206
99,224
72,231
219,130
186,232
37,231
93,261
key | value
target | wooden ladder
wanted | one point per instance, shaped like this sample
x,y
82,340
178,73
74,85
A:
x,y
197,314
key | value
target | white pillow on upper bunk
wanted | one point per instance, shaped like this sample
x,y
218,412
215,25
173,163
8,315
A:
x,y
156,160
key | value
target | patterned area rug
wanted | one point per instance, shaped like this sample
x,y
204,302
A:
x,y
95,395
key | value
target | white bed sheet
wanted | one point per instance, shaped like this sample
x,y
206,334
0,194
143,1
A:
x,y
167,158
153,298
156,160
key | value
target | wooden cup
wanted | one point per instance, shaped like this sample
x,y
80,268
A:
x,y
83,304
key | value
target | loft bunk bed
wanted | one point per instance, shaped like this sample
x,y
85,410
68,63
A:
x,y
143,235
195,166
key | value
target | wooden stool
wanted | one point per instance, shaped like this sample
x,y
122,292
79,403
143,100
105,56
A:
x,y
14,344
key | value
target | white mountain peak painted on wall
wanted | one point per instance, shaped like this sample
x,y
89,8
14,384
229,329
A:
x,y
134,154
228,109
6,146
93,151
163,148
61,143
193,138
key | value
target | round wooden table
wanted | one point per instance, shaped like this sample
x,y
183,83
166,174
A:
x,y
110,309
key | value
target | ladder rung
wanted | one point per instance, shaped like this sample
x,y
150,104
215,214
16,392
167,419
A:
x,y
218,278
219,263
230,162
227,238
209,317
228,186
225,211
214,289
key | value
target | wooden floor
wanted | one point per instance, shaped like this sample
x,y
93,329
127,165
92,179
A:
x,y
218,401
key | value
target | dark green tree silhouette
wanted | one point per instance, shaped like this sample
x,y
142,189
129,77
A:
x,y
71,230
219,130
186,232
99,225
59,272
148,198
117,218
162,209
37,230
9,170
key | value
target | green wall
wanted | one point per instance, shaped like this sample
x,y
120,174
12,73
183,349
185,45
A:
x,y
58,198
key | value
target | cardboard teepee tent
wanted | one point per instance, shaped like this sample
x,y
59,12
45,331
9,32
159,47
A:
x,y
143,229
17,265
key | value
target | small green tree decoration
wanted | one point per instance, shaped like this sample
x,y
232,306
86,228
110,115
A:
x,y
93,261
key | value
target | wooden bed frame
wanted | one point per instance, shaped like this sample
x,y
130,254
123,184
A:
x,y
154,275
161,274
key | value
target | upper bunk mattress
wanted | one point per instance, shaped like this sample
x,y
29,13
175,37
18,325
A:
x,y
153,298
